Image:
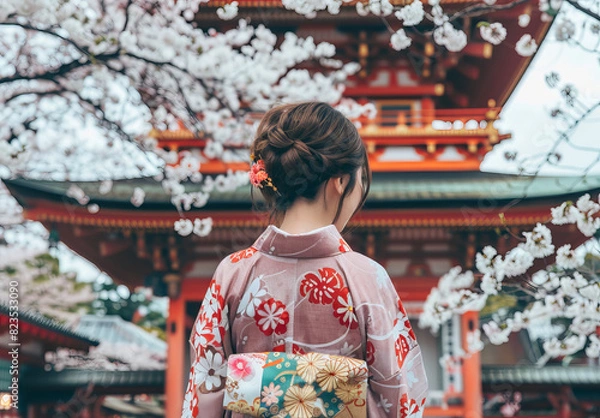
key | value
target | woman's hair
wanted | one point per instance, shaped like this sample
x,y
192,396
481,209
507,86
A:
x,y
303,146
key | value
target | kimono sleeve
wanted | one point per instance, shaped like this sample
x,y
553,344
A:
x,y
210,346
397,376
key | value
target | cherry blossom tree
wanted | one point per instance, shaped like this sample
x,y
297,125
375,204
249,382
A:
x,y
111,70
106,356
108,71
42,286
540,284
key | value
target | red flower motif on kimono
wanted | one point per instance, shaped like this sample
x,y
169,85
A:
x,y
190,403
343,309
344,247
402,349
323,288
203,335
213,302
407,325
409,407
240,255
271,315
280,347
370,353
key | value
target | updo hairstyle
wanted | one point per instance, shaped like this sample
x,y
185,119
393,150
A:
x,y
303,146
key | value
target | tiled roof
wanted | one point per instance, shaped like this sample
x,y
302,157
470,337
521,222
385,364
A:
x,y
41,321
69,379
114,329
571,375
408,188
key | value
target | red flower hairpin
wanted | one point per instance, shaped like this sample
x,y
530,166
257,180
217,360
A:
x,y
258,175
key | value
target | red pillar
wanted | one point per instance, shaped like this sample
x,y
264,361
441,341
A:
x,y
176,340
473,398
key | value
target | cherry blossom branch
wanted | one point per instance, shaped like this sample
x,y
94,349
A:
x,y
584,10
481,9
47,32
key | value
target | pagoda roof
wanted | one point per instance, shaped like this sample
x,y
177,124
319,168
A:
x,y
397,190
105,381
36,325
126,241
471,77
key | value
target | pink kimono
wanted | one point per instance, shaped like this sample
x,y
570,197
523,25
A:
x,y
305,293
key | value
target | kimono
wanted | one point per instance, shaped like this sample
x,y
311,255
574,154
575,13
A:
x,y
301,293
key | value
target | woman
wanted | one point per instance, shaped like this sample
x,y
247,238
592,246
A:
x,y
300,288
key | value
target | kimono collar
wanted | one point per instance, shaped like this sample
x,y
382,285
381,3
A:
x,y
318,243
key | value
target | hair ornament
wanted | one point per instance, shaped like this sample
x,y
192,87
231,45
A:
x,y
259,176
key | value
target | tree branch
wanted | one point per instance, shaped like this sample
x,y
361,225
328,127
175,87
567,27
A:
x,y
585,11
48,32
479,9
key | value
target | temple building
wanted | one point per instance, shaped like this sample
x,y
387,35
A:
x,y
430,206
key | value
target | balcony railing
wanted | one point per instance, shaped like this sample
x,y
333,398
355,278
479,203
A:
x,y
439,119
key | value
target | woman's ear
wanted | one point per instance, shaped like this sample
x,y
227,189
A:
x,y
339,184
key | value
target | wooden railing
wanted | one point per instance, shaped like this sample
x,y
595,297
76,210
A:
x,y
429,117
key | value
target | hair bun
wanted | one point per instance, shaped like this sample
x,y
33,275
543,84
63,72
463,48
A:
x,y
302,146
278,139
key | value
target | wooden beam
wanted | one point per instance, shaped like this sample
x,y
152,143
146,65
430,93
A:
x,y
108,248
82,232
395,91
478,50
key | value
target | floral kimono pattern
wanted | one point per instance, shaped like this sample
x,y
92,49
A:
x,y
302,385
305,293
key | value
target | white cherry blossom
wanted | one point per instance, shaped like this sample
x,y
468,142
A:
x,y
493,33
526,46
495,333
524,20
539,241
488,261
411,14
228,11
559,304
593,350
566,213
138,197
569,345
202,227
453,39
399,40
568,258
517,261
184,227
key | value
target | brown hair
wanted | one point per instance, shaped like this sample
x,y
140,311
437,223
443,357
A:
x,y
303,146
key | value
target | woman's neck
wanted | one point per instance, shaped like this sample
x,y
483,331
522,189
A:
x,y
305,216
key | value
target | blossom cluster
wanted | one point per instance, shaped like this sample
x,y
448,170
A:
x,y
111,71
567,291
446,32
110,356
42,286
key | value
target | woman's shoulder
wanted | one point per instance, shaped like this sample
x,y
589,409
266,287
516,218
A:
x,y
236,261
364,272
362,261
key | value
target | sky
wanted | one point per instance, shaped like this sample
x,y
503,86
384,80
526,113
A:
x,y
526,114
